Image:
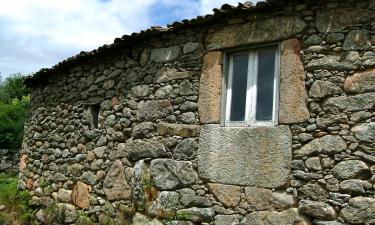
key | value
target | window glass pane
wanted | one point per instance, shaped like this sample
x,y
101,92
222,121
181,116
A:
x,y
239,86
265,84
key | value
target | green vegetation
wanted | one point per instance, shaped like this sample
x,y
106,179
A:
x,y
13,105
17,211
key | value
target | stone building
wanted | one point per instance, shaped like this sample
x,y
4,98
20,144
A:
x,y
257,114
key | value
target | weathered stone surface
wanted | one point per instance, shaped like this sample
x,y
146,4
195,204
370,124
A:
x,y
183,130
335,20
351,169
136,149
142,129
164,92
167,74
186,87
170,174
332,38
361,210
319,210
365,132
152,110
65,195
360,82
139,219
99,152
329,63
353,187
141,179
350,103
313,40
228,195
89,177
322,89
165,54
69,211
227,220
257,157
191,47
186,149
313,163
141,90
120,150
323,222
196,214
256,31
286,217
357,40
81,195
261,199
313,191
115,185
292,103
210,88
329,144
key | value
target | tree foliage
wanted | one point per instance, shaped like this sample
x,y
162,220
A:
x,y
13,105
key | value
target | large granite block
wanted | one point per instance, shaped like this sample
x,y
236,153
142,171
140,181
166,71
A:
x,y
257,156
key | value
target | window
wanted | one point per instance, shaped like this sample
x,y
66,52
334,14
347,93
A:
x,y
252,87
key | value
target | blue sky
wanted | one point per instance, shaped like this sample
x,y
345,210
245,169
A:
x,y
39,33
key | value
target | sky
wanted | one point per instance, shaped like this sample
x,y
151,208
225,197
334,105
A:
x,y
37,34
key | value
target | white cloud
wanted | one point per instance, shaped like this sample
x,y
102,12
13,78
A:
x,y
40,33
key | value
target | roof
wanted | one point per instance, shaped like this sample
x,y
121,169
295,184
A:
x,y
128,40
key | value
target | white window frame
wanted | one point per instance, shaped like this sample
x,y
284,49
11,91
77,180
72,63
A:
x,y
251,93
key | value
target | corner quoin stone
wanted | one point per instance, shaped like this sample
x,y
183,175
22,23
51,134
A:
x,y
292,103
210,88
245,156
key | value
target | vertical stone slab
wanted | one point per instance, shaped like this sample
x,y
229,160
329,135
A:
x,y
210,88
292,108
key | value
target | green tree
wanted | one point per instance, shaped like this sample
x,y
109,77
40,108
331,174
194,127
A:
x,y
13,87
13,105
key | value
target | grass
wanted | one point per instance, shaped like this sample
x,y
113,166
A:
x,y
17,211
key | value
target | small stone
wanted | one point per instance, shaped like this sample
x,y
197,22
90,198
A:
x,y
319,210
352,187
186,87
360,82
192,47
196,214
170,174
115,184
313,163
140,91
357,40
188,117
313,191
65,195
165,54
189,106
360,210
185,150
227,219
333,38
365,132
164,92
136,149
313,40
99,152
81,195
322,89
171,129
351,169
89,177
142,129
228,195
329,144
152,110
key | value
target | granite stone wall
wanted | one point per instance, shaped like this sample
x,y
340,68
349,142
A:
x,y
134,137
9,159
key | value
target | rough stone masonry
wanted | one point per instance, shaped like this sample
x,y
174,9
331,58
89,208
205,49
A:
x,y
131,132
